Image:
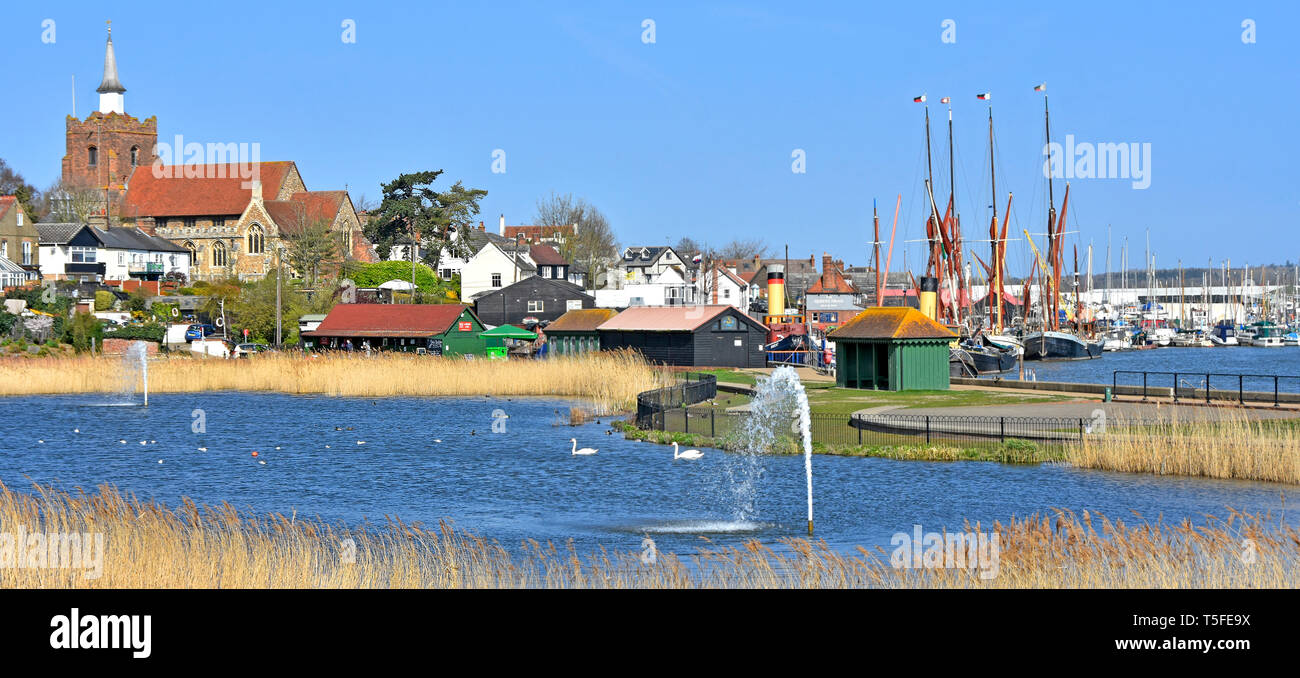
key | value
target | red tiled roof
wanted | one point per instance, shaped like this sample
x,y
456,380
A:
x,y
534,233
304,207
217,190
388,320
545,255
665,318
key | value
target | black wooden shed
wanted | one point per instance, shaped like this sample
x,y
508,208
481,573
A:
x,y
698,336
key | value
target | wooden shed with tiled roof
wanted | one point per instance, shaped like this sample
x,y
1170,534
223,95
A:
x,y
892,349
575,331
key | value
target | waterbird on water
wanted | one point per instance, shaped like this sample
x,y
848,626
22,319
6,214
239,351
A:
x,y
123,441
585,450
688,454
203,449
361,442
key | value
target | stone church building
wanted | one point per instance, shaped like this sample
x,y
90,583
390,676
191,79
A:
x,y
232,217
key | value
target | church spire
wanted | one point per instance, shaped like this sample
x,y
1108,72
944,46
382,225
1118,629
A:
x,y
111,89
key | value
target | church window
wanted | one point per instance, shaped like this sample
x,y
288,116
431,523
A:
x,y
92,156
218,253
256,236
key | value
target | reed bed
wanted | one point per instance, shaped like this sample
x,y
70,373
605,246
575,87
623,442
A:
x,y
1232,446
146,544
610,379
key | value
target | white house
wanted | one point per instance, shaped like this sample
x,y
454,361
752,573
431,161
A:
x,y
86,253
670,289
730,288
494,266
640,265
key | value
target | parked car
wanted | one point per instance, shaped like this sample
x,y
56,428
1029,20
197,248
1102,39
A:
x,y
245,350
201,331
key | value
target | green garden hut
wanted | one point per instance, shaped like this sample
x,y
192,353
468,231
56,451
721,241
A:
x,y
575,331
892,349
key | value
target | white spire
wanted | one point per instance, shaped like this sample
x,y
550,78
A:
x,y
111,89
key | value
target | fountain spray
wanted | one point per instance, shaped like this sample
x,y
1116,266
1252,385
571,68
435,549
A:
x,y
786,376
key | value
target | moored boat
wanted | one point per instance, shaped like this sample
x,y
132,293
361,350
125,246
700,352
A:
x,y
1059,346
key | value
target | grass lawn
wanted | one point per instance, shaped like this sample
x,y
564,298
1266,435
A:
x,y
847,400
825,398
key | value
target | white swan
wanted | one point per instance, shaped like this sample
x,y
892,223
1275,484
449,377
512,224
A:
x,y
688,454
585,450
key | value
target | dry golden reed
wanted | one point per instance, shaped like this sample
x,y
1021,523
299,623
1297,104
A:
x,y
149,545
610,379
1228,446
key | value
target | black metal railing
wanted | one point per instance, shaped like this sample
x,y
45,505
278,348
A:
x,y
1192,385
904,429
696,387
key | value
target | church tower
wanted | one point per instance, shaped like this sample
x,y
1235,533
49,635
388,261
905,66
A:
x,y
103,150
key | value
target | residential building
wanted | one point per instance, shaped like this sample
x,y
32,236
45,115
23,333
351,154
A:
x,y
640,265
551,264
531,301
719,285
18,239
493,267
669,289
71,251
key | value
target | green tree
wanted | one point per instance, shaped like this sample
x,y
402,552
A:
x,y
411,207
313,246
83,329
13,183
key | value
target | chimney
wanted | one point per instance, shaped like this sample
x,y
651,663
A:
x,y
826,269
503,225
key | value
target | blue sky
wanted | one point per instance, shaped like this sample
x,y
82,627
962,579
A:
x,y
693,134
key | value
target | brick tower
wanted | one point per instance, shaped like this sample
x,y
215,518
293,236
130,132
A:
x,y
107,146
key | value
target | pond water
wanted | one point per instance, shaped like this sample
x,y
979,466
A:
x,y
523,483
1281,361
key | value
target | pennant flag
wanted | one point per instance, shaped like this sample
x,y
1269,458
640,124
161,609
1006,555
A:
x,y
920,99
1040,88
946,100
985,96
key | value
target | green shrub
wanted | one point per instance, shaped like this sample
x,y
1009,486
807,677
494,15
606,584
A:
x,y
104,300
147,332
86,327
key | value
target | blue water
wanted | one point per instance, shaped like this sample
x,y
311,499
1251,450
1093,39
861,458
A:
x,y
524,484
1283,361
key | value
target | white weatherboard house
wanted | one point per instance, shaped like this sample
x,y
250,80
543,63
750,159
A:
x,y
493,267
83,252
